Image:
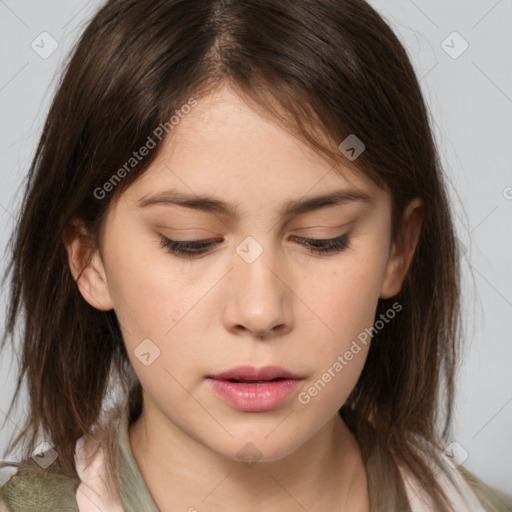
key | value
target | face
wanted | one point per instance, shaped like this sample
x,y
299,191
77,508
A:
x,y
260,289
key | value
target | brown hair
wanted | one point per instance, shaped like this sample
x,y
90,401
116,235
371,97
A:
x,y
324,70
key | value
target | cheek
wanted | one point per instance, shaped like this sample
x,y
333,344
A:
x,y
142,303
340,334
346,296
155,301
140,274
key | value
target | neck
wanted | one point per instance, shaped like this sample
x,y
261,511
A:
x,y
182,473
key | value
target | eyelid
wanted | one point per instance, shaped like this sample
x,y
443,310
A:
x,y
192,230
190,249
297,232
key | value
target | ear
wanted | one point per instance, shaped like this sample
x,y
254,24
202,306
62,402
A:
x,y
86,265
401,253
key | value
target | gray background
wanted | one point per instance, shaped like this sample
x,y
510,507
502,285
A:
x,y
470,99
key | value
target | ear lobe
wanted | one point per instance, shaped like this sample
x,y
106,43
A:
x,y
402,253
86,266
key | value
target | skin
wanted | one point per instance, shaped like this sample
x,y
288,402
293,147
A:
x,y
289,307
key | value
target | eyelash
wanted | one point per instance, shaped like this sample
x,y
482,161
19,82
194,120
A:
x,y
191,248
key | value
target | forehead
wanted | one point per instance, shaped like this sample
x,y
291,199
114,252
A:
x,y
225,149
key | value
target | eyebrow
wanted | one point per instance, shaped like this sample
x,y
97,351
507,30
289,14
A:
x,y
290,208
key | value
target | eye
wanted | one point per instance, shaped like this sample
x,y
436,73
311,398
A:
x,y
325,246
191,248
187,248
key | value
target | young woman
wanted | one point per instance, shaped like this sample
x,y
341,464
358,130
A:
x,y
236,273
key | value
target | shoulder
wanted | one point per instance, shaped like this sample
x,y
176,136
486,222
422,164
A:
x,y
93,493
27,487
466,492
491,498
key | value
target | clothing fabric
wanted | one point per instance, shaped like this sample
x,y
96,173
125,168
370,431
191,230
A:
x,y
32,488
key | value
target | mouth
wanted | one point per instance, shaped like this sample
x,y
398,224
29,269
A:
x,y
252,374
242,381
252,389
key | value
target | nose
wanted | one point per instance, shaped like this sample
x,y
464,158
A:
x,y
258,299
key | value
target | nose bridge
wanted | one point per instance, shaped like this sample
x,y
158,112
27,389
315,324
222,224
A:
x,y
258,299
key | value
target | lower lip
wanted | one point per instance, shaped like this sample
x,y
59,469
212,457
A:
x,y
254,397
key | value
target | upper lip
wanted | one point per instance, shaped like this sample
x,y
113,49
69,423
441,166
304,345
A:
x,y
251,373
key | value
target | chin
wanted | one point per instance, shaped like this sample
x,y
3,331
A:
x,y
253,448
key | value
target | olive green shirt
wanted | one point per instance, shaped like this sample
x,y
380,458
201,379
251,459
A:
x,y
36,489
